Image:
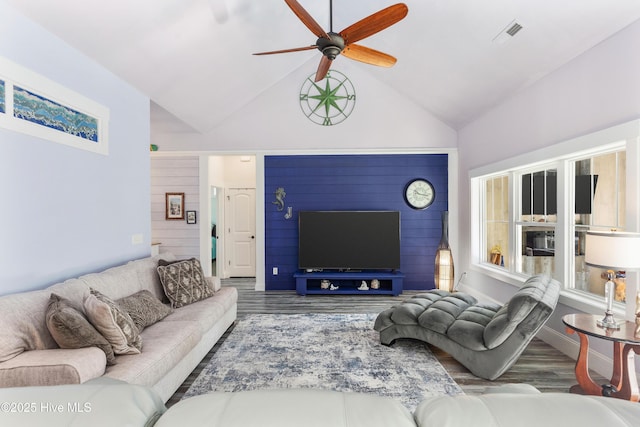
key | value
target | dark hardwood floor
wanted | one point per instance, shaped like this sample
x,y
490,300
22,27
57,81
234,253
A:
x,y
540,365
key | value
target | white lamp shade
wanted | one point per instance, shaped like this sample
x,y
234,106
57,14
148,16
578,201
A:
x,y
615,250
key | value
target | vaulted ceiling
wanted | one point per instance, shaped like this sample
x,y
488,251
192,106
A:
x,y
193,57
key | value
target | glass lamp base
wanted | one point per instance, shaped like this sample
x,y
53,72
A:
x,y
609,322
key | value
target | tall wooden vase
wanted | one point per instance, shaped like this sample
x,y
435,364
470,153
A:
x,y
443,272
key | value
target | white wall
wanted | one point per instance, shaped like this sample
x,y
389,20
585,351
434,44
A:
x,y
67,211
596,90
239,171
382,118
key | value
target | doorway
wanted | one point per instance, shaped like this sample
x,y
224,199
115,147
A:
x,y
231,234
216,207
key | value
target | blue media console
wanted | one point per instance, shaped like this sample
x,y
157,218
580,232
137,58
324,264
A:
x,y
348,282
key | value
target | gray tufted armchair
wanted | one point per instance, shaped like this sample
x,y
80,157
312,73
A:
x,y
486,338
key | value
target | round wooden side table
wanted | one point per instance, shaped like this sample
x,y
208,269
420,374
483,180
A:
x,y
623,384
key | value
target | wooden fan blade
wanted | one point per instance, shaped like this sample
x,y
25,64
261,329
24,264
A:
x,y
374,23
296,49
368,55
306,19
323,68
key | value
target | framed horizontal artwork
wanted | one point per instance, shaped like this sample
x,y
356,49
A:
x,y
174,206
34,105
191,217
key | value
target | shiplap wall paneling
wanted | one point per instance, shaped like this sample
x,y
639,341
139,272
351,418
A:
x,y
175,175
353,182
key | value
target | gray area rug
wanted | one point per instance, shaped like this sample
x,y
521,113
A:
x,y
330,351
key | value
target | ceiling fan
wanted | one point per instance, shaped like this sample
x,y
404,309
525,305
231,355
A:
x,y
333,44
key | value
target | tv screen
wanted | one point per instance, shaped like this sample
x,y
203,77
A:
x,y
349,240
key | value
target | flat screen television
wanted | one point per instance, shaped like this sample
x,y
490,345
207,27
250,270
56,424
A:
x,y
349,240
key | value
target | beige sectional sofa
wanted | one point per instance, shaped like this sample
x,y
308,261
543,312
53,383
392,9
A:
x,y
171,347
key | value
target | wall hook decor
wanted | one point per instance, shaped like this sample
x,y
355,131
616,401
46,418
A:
x,y
280,195
289,213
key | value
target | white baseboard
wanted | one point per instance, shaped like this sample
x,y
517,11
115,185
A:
x,y
598,362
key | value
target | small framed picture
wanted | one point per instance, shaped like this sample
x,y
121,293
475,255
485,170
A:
x,y
174,205
191,217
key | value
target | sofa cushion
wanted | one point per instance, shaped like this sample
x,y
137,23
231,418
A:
x,y
148,278
23,323
214,282
526,409
183,282
98,403
165,345
144,308
53,367
113,322
206,312
74,290
288,408
71,329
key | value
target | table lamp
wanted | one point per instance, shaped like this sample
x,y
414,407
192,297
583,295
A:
x,y
617,251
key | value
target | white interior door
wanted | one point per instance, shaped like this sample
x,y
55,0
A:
x,y
240,227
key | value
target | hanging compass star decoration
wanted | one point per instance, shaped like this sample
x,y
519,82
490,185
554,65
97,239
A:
x,y
329,101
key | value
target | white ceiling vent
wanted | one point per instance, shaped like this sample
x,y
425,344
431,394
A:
x,y
508,32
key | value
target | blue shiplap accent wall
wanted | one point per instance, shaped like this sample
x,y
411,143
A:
x,y
354,182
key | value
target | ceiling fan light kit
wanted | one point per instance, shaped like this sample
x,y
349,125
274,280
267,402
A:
x,y
333,44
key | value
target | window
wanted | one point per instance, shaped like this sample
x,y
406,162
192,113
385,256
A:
x,y
536,223
496,220
533,211
600,187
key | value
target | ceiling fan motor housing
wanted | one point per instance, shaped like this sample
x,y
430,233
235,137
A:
x,y
332,46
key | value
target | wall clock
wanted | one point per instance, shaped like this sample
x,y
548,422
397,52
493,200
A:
x,y
419,193
328,101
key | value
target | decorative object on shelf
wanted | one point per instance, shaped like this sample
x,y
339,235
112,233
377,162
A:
x,y
191,217
615,250
330,101
495,255
333,287
621,285
333,44
324,284
363,286
279,201
444,273
174,206
307,282
419,193
375,284
153,147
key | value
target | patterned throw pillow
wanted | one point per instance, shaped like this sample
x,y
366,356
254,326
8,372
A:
x,y
144,308
113,322
70,329
184,282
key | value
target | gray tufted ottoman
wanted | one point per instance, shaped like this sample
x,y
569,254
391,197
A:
x,y
486,338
